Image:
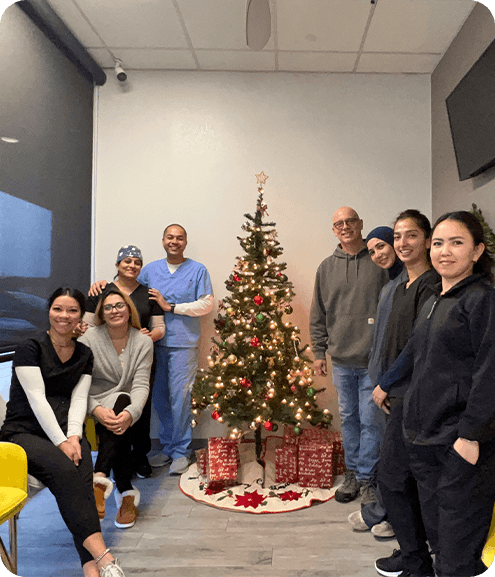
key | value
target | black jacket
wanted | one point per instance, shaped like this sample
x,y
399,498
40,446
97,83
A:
x,y
450,358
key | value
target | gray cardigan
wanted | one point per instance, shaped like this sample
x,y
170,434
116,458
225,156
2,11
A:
x,y
113,375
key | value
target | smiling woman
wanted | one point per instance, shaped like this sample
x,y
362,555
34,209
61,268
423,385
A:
x,y
118,394
45,415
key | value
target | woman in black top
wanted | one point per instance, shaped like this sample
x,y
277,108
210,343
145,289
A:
x,y
449,406
45,414
129,264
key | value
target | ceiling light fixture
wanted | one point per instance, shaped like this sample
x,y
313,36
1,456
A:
x,y
258,24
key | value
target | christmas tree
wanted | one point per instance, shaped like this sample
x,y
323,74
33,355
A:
x,y
258,372
489,236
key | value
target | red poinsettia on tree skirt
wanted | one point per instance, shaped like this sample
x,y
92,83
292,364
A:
x,y
290,496
253,499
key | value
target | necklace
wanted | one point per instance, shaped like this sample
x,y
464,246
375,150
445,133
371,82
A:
x,y
71,344
120,342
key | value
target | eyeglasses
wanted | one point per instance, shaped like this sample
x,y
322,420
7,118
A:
x,y
339,225
117,306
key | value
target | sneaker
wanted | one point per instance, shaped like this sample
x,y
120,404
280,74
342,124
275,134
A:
x,y
368,494
112,570
160,460
383,530
391,566
349,489
143,469
127,503
179,466
357,522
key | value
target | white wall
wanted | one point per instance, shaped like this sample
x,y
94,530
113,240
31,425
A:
x,y
184,147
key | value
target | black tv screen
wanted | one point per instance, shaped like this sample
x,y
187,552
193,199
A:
x,y
471,110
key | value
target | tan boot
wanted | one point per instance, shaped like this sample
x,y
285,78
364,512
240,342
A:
x,y
102,488
127,503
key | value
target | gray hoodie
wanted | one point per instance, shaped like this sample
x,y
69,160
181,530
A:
x,y
344,307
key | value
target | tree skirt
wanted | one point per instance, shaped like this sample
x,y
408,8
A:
x,y
252,494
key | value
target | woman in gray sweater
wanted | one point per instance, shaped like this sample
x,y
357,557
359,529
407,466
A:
x,y
118,393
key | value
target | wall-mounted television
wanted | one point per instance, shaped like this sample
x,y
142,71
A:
x,y
471,110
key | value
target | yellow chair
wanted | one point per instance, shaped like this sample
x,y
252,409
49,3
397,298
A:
x,y
13,495
489,549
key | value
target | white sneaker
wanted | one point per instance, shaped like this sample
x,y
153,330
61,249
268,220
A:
x,y
160,460
112,570
383,530
357,522
179,466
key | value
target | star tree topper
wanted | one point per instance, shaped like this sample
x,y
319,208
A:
x,y
261,178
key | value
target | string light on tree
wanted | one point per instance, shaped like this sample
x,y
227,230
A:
x,y
258,368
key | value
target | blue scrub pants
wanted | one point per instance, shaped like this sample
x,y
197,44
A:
x,y
363,422
175,373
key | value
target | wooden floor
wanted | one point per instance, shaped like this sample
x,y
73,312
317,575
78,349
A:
x,y
175,536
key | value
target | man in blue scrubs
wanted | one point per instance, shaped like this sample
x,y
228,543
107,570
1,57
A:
x,y
182,288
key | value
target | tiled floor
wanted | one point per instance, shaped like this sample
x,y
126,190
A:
x,y
177,537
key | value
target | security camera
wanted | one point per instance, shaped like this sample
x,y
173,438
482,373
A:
x,y
119,71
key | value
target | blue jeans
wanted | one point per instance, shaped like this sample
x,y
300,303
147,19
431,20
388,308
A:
x,y
363,423
175,373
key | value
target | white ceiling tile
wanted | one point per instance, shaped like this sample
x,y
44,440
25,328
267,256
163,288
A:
x,y
398,63
216,24
416,25
135,23
246,61
317,61
155,59
321,24
76,22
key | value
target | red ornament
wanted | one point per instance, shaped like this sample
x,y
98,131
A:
x,y
268,425
237,278
258,300
215,415
255,342
293,388
216,395
246,383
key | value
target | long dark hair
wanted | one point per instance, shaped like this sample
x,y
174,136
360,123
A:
x,y
484,265
68,292
419,218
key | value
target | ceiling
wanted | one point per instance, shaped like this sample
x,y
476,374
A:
x,y
339,36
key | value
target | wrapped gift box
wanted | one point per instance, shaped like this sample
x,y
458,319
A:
x,y
223,459
202,461
286,464
339,467
315,465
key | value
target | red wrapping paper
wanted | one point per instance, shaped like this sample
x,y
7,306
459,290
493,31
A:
x,y
286,464
202,461
315,465
223,459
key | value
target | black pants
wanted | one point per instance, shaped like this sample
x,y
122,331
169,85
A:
x,y
399,493
71,485
457,503
140,432
114,451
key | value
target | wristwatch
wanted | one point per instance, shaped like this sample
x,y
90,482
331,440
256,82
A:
x,y
172,307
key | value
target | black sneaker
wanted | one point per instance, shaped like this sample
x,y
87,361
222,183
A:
x,y
391,566
143,469
349,489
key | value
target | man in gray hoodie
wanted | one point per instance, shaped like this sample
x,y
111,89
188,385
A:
x,y
343,311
